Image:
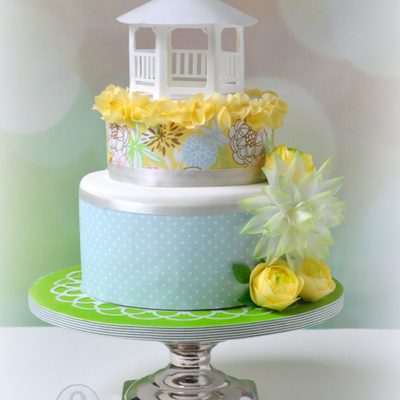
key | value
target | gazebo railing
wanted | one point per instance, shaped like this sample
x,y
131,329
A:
x,y
230,67
188,65
144,66
187,69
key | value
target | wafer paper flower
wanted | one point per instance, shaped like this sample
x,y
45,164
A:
x,y
295,213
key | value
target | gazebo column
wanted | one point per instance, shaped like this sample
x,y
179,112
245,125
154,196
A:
x,y
213,60
161,62
240,50
132,61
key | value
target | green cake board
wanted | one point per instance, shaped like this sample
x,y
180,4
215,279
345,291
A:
x,y
61,293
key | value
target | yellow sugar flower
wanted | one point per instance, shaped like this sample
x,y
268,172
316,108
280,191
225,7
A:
x,y
221,111
275,286
258,117
276,108
122,107
141,106
254,92
287,155
166,106
238,106
192,112
103,100
318,281
120,112
161,111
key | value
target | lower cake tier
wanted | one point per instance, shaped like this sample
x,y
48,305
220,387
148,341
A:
x,y
163,248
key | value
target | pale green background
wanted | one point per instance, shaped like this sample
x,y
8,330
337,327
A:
x,y
336,63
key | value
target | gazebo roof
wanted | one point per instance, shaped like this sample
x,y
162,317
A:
x,y
186,12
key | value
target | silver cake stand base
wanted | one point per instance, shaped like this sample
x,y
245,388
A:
x,y
190,335
190,376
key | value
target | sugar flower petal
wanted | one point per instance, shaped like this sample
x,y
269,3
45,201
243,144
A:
x,y
333,184
254,226
261,248
308,186
253,203
297,169
325,169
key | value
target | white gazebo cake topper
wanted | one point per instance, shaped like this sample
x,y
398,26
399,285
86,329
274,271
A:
x,y
180,73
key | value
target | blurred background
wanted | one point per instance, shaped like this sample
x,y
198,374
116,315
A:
x,y
336,64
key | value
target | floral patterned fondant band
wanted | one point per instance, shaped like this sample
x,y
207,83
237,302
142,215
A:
x,y
171,155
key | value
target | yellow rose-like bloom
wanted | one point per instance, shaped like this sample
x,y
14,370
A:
x,y
258,116
318,281
254,92
192,112
287,155
160,112
103,100
238,106
275,286
221,111
276,108
120,110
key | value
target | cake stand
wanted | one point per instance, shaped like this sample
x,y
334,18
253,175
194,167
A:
x,y
190,335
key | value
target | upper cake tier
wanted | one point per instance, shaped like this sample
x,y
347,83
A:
x,y
185,119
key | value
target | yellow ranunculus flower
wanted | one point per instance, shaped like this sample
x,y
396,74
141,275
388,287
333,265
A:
x,y
275,286
287,155
318,281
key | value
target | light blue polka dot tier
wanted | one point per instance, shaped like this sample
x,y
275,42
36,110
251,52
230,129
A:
x,y
163,248
163,262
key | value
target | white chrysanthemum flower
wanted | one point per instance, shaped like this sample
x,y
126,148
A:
x,y
296,213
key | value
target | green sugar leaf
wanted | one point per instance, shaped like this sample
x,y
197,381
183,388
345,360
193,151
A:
x,y
246,299
241,273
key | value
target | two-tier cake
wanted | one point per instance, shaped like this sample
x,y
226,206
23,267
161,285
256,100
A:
x,y
186,144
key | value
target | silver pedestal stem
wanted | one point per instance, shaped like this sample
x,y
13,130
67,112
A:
x,y
190,376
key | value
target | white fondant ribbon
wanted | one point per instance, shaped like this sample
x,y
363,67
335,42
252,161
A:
x,y
160,208
190,177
